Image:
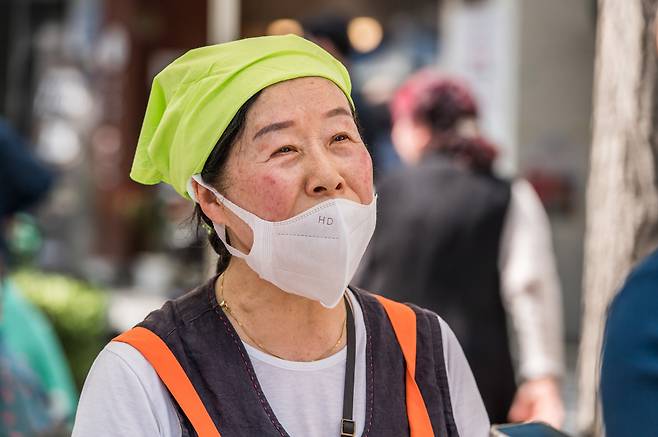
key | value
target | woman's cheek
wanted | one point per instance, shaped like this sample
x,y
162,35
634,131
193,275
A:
x,y
271,196
363,171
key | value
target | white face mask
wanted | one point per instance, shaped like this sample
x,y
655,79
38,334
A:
x,y
313,254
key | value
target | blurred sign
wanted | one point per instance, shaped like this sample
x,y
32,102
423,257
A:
x,y
480,44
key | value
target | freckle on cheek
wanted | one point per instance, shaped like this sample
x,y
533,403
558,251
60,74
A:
x,y
269,195
269,180
366,167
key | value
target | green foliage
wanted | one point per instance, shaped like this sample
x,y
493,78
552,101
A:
x,y
77,311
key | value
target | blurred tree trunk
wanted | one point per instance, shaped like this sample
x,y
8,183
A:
x,y
622,193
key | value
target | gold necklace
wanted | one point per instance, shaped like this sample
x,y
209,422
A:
x,y
224,305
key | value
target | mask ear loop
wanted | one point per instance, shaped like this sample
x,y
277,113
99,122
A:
x,y
190,187
246,216
220,228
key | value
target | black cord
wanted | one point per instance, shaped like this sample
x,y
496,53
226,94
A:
x,y
348,427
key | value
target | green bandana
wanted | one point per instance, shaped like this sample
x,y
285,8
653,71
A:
x,y
195,97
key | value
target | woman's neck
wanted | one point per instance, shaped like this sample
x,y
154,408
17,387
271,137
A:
x,y
286,325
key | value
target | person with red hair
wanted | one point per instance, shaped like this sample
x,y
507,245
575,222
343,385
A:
x,y
454,237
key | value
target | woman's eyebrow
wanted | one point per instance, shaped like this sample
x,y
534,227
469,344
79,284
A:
x,y
338,111
274,127
286,124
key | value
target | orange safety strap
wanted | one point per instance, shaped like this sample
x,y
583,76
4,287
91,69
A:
x,y
403,320
173,376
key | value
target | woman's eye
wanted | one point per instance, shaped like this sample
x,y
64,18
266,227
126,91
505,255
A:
x,y
284,149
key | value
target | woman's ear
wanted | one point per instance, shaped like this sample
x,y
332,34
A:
x,y
209,203
240,233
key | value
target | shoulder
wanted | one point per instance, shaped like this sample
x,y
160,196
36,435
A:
x,y
629,377
640,284
124,395
430,169
396,180
437,344
118,359
466,402
436,332
125,369
637,302
433,333
633,311
521,188
524,197
182,310
442,370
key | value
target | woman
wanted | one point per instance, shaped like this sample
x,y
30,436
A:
x,y
261,133
482,248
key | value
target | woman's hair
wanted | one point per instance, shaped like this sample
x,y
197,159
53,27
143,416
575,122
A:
x,y
213,173
447,106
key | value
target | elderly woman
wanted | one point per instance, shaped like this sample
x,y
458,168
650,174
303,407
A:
x,y
261,134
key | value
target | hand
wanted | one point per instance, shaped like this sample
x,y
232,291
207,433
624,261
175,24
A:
x,y
538,399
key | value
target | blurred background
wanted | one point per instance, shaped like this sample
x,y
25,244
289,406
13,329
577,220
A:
x,y
100,251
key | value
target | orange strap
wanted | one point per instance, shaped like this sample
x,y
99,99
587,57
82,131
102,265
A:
x,y
173,376
403,320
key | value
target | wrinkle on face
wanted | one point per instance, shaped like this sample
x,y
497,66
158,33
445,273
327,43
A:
x,y
305,114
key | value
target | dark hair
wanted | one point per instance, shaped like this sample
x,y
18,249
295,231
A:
x,y
443,103
435,99
476,153
213,173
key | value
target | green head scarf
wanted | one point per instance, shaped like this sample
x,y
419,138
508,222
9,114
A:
x,y
195,97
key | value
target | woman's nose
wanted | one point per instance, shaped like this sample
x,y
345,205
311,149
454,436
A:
x,y
324,177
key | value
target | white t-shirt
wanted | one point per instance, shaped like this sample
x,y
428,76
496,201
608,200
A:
x,y
123,396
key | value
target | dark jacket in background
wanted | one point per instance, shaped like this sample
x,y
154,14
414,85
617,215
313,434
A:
x,y
437,245
629,371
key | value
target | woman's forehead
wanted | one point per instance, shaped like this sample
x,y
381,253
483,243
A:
x,y
307,96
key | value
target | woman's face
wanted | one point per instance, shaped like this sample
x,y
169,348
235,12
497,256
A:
x,y
300,146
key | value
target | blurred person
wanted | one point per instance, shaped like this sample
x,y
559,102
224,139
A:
x,y
23,181
31,348
457,239
275,343
629,370
24,406
37,392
